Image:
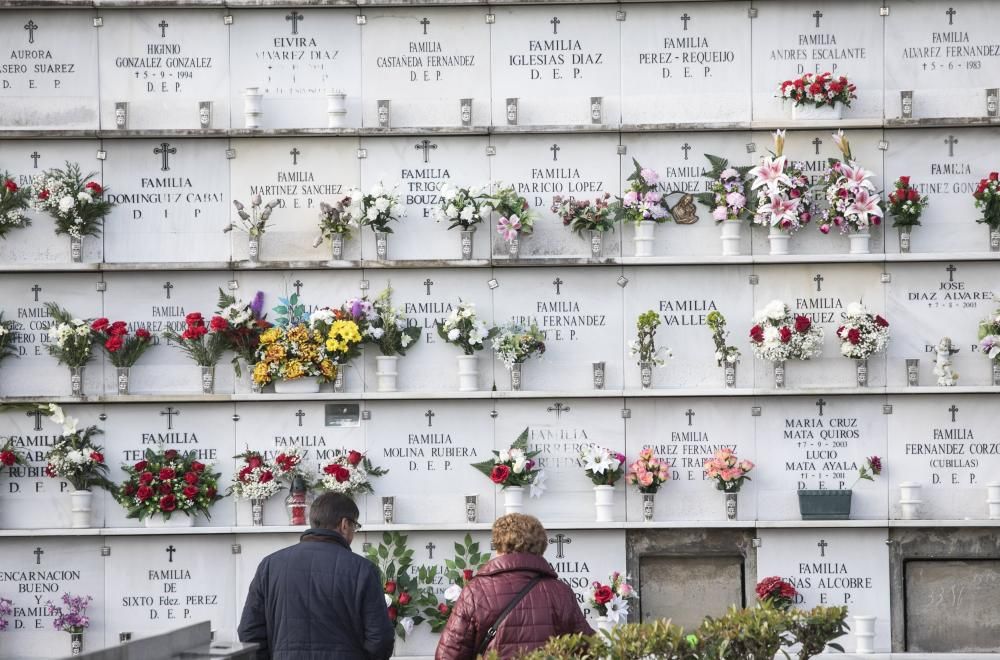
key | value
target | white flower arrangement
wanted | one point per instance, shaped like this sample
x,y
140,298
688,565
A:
x,y
376,209
778,334
259,484
464,329
863,334
462,207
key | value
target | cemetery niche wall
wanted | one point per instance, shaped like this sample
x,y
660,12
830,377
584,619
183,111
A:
x,y
190,116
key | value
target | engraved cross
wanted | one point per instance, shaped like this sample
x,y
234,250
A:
x,y
555,151
295,17
170,412
951,141
690,414
820,403
428,283
163,29
685,148
953,410
36,289
558,409
685,18
430,417
817,143
165,150
167,286
819,281
822,547
818,15
170,550
300,414
38,555
37,414
560,540
30,26
951,273
951,15
425,23
294,153
558,283
35,156
555,24
430,549
298,287
424,145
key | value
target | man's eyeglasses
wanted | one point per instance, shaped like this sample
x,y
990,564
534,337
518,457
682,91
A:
x,y
355,524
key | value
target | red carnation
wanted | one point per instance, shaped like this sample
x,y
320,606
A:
x,y
881,322
218,323
191,478
10,185
144,493
757,333
142,333
94,188
97,457
118,328
500,474
876,464
168,503
146,478
170,454
266,476
467,574
785,333
815,88
854,336
354,457
7,458
603,594
904,180
114,344
243,474
404,598
44,195
190,492
165,488
140,466
167,473
50,471
392,613
100,324
197,467
802,324
390,587
255,462
194,318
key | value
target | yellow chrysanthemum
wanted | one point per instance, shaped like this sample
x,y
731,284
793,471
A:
x,y
328,369
294,370
274,353
346,331
261,375
308,352
270,336
333,346
298,334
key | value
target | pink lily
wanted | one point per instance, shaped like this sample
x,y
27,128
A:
x,y
865,204
781,209
770,172
509,228
856,176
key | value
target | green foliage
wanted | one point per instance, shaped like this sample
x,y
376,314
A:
x,y
814,629
755,632
408,586
290,312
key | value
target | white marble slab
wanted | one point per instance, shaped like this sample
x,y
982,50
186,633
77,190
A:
x,y
686,62
789,39
820,444
542,166
833,567
163,64
554,60
302,174
39,242
50,70
425,61
418,168
945,54
685,442
171,196
294,57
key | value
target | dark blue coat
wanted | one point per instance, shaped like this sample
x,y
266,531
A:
x,y
317,600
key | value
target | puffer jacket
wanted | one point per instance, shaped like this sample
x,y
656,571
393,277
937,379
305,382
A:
x,y
549,609
317,600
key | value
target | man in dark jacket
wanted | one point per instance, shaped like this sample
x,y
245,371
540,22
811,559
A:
x,y
318,600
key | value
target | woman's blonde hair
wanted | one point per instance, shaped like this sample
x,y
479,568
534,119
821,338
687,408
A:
x,y
517,532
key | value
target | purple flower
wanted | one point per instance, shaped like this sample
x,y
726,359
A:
x,y
652,197
649,176
257,304
631,197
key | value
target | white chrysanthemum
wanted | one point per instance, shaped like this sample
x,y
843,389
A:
x,y
454,334
855,309
66,204
775,310
452,593
382,204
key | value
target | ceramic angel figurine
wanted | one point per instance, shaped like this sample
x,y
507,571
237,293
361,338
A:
x,y
942,366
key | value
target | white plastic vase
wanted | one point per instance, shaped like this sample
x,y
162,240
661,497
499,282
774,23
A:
x,y
513,499
177,519
336,108
296,386
252,107
864,634
822,113
645,234
468,373
80,507
909,500
604,501
993,500
859,242
779,241
386,372
731,235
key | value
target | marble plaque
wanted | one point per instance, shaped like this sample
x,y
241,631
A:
x,y
935,301
30,498
158,301
171,197
418,167
301,174
814,149
161,583
34,371
679,159
559,430
819,444
542,166
425,61
821,292
947,445
793,38
684,433
39,570
689,62
946,55
574,312
207,429
432,365
428,448
163,64
584,557
293,58
683,329
946,165
554,61
274,428
49,70
39,242
833,567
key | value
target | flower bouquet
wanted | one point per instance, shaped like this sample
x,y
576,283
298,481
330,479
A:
x,y
77,205
71,343
336,223
729,197
13,203
253,223
458,571
580,216
80,461
515,218
390,330
203,344
288,469
165,484
10,456
784,202
728,472
512,469
6,610
376,210
122,351
244,324
513,345
349,474
340,331
816,96
293,358
853,205
987,198
906,206
407,588
255,480
648,474
464,329
778,335
7,337
989,342
777,592
862,335
644,347
611,601
464,208
604,468
71,617
726,356
644,206
836,504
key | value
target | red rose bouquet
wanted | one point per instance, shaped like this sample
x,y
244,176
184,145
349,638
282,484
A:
x,y
776,591
349,474
778,335
906,204
987,198
818,90
122,350
513,467
863,334
13,202
255,479
204,344
168,482
612,600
